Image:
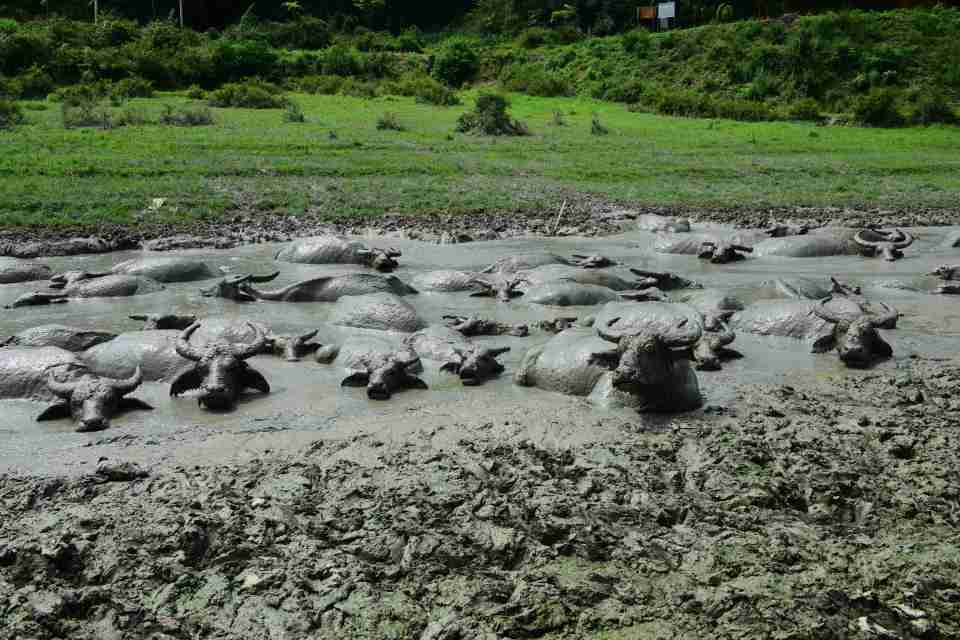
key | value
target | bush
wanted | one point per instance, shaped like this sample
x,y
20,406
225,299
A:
x,y
307,32
686,103
86,113
596,127
534,80
252,94
630,92
82,94
186,116
35,83
10,88
358,88
11,114
340,61
132,117
196,93
456,62
490,117
294,113
389,122
320,85
636,42
806,109
132,88
429,91
932,106
533,37
878,109
236,59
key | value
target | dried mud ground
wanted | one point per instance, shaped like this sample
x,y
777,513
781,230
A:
x,y
829,508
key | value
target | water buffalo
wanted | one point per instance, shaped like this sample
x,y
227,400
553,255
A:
x,y
721,252
559,272
332,288
808,288
784,318
658,224
338,250
159,268
233,287
854,335
502,286
219,370
471,326
556,325
13,270
714,347
378,363
890,247
786,229
591,262
170,321
947,272
524,262
92,400
111,286
58,335
712,302
292,347
690,244
567,293
153,352
817,243
380,311
445,281
643,362
472,362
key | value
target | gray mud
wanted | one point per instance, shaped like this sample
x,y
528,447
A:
x,y
805,500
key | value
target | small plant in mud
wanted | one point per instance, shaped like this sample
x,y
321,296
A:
x,y
389,122
596,127
490,117
294,112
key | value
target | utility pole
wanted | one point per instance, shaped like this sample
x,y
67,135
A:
x,y
96,8
181,14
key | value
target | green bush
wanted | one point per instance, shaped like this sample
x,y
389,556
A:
x,y
132,117
306,32
132,88
86,113
428,91
931,106
358,88
878,108
194,92
490,117
11,114
10,88
186,116
112,32
596,127
320,85
534,80
251,94
293,113
805,109
389,122
533,37
687,103
456,62
637,42
35,82
8,26
339,60
630,92
82,94
23,49
242,59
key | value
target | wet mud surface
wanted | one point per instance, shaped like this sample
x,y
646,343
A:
x,y
804,500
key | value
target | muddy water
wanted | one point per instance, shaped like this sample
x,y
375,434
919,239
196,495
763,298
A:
x,y
307,402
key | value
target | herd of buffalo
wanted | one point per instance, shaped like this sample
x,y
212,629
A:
x,y
642,347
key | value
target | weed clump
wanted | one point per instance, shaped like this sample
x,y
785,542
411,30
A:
x,y
186,116
490,117
558,120
11,114
252,94
293,113
596,127
320,85
456,63
389,122
878,109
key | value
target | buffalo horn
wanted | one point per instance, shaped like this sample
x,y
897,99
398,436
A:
x,y
183,346
128,385
252,349
61,389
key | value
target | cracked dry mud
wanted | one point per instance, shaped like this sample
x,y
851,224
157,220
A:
x,y
825,507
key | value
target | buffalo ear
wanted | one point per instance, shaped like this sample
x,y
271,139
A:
x,y
732,354
133,404
824,344
413,382
606,359
882,348
186,379
55,412
356,379
254,380
451,367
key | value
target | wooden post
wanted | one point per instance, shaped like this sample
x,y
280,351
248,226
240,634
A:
x,y
181,14
95,11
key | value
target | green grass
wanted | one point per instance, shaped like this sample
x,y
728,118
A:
x,y
252,161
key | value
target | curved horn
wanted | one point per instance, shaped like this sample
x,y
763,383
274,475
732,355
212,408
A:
x,y
725,334
183,346
905,242
496,353
308,336
741,248
259,279
863,242
128,385
393,253
61,389
889,315
677,339
255,347
605,333
822,312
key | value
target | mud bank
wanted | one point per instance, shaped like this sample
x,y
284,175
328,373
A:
x,y
826,508
583,215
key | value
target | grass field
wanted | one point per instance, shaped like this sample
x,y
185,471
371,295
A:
x,y
338,163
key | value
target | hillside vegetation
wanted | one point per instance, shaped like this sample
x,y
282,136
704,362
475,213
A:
x,y
880,69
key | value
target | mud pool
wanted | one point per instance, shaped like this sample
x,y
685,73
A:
x,y
307,402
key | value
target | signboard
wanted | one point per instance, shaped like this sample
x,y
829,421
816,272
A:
x,y
648,13
667,10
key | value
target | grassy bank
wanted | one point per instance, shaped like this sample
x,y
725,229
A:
x,y
338,163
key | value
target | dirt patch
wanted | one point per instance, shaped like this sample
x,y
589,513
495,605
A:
x,y
826,509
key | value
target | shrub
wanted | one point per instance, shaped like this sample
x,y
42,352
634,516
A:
x,y
10,88
490,117
358,88
558,120
86,113
932,106
534,80
389,122
252,94
636,42
82,94
186,116
112,32
133,88
36,106
293,113
11,114
533,37
196,93
456,62
23,49
235,59
878,109
630,91
340,61
596,127
320,85
805,109
409,41
132,117
306,32
35,83
429,91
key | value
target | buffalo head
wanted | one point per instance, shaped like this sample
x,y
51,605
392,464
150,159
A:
x,y
91,400
292,348
38,298
384,260
712,349
947,272
722,252
663,280
502,288
67,278
385,374
890,247
476,364
854,334
646,358
219,372
233,287
782,230
168,321
476,326
557,324
591,262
